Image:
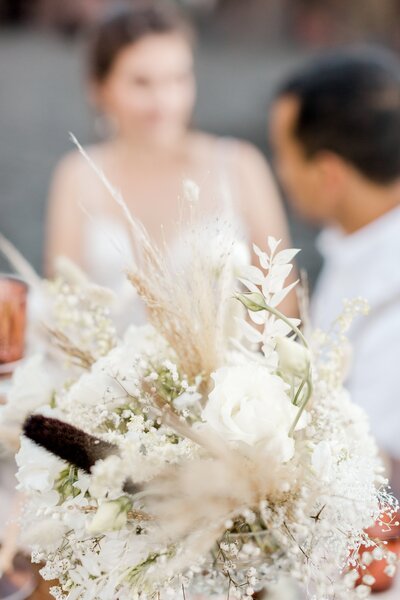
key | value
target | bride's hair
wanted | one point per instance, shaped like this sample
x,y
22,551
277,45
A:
x,y
126,24
349,104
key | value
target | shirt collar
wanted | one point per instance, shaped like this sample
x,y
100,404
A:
x,y
382,235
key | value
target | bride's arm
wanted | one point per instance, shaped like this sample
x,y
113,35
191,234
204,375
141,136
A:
x,y
64,215
262,208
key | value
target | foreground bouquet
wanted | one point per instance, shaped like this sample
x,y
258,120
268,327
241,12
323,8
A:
x,y
208,451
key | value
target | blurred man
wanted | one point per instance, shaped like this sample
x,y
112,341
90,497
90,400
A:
x,y
335,128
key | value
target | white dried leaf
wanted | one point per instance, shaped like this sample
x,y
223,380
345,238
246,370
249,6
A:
x,y
278,297
251,334
249,285
285,256
259,317
273,243
253,274
263,257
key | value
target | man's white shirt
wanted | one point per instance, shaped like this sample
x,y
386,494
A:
x,y
367,264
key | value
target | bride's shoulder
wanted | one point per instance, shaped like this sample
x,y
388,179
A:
x,y
73,177
239,154
246,155
74,168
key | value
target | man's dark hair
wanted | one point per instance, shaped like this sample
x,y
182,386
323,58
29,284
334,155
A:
x,y
350,105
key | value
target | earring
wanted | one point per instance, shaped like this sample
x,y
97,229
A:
x,y
105,126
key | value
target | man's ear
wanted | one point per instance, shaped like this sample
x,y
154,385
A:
x,y
334,174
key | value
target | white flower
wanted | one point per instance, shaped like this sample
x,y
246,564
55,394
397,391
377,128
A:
x,y
368,579
390,570
293,357
108,476
191,190
71,273
363,591
321,460
31,388
250,405
186,400
38,469
110,516
143,339
94,388
46,533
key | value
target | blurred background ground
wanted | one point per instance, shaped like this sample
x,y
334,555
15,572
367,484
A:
x,y
245,48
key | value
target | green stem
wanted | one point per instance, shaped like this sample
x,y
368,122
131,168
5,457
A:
x,y
274,311
303,406
256,302
299,390
281,316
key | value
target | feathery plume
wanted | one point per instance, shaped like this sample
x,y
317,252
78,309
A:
x,y
189,307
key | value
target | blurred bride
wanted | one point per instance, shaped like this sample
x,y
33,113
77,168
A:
x,y
141,82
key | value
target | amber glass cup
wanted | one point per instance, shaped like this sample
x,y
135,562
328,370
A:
x,y
13,299
377,568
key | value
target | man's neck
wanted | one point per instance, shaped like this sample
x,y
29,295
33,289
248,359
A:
x,y
366,203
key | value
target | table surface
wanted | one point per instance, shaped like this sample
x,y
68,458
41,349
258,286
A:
x,y
42,592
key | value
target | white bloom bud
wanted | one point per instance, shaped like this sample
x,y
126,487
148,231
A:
x,y
368,580
322,461
247,549
253,301
249,516
191,190
377,554
363,591
293,357
367,558
110,516
249,591
101,295
390,570
228,524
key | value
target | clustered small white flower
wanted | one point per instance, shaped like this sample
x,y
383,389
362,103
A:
x,y
81,312
314,451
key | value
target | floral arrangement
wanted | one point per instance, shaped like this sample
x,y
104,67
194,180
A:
x,y
211,450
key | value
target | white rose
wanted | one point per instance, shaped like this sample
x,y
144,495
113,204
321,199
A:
x,y
31,388
249,404
38,469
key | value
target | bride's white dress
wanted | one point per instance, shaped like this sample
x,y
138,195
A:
x,y
107,250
